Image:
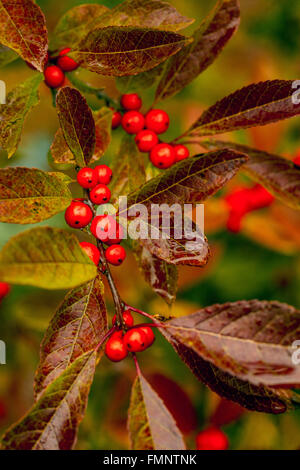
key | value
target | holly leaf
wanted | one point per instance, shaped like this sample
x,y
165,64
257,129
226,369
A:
x,y
23,29
52,423
45,257
29,195
161,276
150,424
77,327
209,40
77,123
13,114
145,13
75,24
280,176
119,51
251,340
254,105
252,397
6,55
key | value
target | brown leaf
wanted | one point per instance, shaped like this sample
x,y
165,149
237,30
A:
x,y
29,195
209,40
150,424
23,29
254,105
103,119
14,112
251,340
52,423
119,51
60,150
77,327
77,123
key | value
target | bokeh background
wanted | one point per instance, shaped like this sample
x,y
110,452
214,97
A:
x,y
262,261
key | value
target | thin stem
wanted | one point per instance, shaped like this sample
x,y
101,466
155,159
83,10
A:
x,y
138,370
144,314
107,335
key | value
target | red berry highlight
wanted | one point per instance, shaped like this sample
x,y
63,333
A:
x,y
54,76
146,140
127,318
162,156
181,152
104,174
87,178
100,194
212,439
131,102
78,215
135,340
157,121
115,254
4,289
115,348
92,251
133,122
116,119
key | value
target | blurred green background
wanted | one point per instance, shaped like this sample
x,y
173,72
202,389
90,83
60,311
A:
x,y
261,262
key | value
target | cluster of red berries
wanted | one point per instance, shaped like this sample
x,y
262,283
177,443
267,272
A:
x,y
212,438
104,227
147,128
4,290
136,339
57,66
244,200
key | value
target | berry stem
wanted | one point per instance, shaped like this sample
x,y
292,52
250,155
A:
x,y
144,314
138,370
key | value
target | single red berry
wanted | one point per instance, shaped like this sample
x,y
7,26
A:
x,y
117,237
157,121
4,289
100,194
135,340
116,119
181,152
54,76
259,197
238,201
234,221
65,62
127,317
212,439
150,337
162,155
87,178
133,122
78,215
131,102
297,159
146,140
104,174
115,348
115,254
104,227
92,252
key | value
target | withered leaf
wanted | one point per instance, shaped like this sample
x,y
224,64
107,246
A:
x,y
102,119
14,112
29,195
254,105
150,424
121,50
45,257
77,123
209,40
77,327
23,29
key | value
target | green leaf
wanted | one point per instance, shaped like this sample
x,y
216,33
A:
x,y
29,195
77,327
53,421
13,114
77,123
6,55
119,51
150,424
209,40
254,105
45,257
75,24
23,29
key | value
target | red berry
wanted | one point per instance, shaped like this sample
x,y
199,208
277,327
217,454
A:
x,y
181,152
131,102
150,337
146,140
133,122
238,200
259,197
297,159
100,194
54,76
104,227
65,62
234,221
116,119
87,178
115,348
4,289
115,254
135,340
212,439
118,235
78,215
157,121
127,317
92,252
162,155
104,174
